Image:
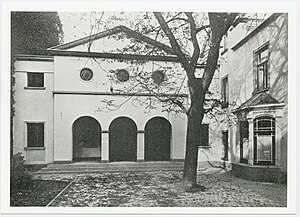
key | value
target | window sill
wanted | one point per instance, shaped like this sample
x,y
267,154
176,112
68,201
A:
x,y
224,105
204,147
224,51
259,91
34,88
34,148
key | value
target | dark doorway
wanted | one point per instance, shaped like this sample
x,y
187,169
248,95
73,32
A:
x,y
122,140
225,145
157,140
86,139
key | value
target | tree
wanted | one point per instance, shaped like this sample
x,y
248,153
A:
x,y
195,40
219,24
32,33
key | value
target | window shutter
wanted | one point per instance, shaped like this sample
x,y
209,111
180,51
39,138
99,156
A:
x,y
255,72
245,129
204,135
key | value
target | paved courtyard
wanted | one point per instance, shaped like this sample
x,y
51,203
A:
x,y
162,189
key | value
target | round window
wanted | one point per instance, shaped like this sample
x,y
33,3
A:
x,y
86,74
158,76
122,75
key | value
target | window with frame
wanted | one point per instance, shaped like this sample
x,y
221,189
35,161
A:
x,y
204,135
264,140
35,134
35,79
261,67
224,92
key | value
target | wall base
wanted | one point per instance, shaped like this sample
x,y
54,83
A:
x,y
259,173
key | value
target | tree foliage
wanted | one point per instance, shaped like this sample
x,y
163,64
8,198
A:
x,y
31,33
34,32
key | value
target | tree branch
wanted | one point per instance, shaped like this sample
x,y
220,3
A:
x,y
201,28
219,24
196,52
181,56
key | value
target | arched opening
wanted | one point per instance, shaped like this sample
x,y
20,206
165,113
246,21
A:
x,y
264,140
86,139
122,140
157,139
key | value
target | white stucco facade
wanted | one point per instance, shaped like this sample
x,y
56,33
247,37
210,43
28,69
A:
x,y
66,97
239,66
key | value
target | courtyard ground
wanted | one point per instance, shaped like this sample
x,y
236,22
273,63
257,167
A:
x,y
162,189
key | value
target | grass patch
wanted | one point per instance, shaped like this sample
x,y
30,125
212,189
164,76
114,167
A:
x,y
39,193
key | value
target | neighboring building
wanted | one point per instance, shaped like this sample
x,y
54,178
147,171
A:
x,y
62,116
254,85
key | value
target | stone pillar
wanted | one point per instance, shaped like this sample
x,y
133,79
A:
x,y
105,146
251,141
140,145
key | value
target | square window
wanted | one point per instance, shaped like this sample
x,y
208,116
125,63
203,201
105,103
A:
x,y
35,134
35,79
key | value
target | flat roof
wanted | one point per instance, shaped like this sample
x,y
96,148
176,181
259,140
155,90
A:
x,y
34,58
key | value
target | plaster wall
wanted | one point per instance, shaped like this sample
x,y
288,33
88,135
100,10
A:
x,y
33,105
241,75
68,108
67,74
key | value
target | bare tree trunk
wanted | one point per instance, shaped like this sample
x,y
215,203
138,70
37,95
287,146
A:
x,y
195,116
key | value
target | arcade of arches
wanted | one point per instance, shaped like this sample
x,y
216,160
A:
x,y
122,139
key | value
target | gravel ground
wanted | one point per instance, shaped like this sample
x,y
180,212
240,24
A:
x,y
40,193
162,189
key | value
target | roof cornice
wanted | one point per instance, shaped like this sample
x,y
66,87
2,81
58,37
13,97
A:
x,y
256,30
33,58
113,56
138,36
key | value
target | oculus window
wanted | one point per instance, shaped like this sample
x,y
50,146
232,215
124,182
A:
x,y
158,76
122,75
86,74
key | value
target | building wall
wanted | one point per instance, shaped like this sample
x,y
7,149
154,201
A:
x,y
239,67
68,108
33,105
70,104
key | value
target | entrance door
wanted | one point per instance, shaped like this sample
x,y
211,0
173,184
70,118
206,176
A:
x,y
122,140
86,139
157,140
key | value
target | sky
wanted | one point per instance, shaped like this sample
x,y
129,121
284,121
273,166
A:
x,y
73,26
78,24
